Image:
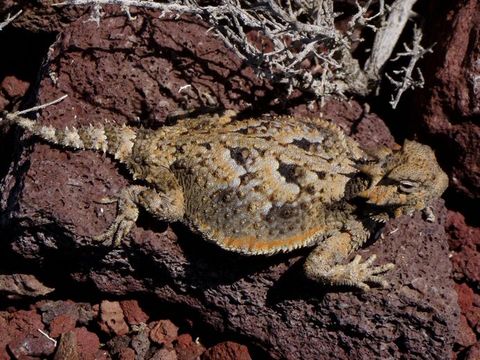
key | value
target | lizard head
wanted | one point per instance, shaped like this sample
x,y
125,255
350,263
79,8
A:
x,y
404,180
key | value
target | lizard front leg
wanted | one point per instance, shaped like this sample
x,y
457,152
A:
x,y
325,264
162,205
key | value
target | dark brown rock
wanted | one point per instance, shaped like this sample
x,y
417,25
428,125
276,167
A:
x,y
34,344
451,99
22,285
227,350
118,344
265,300
81,313
13,87
40,16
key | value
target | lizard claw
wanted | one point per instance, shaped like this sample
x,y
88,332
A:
x,y
116,231
358,274
123,223
107,200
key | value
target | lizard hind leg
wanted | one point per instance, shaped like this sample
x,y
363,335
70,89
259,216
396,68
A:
x,y
129,200
325,264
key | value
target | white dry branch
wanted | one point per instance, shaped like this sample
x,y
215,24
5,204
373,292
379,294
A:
x,y
39,107
415,53
15,115
297,43
9,19
387,36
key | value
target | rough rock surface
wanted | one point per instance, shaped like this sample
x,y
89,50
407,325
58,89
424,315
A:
x,y
448,109
446,112
126,71
34,334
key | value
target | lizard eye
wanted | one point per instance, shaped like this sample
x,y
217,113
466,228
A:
x,y
407,186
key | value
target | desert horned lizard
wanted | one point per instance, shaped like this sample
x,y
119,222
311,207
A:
x,y
263,186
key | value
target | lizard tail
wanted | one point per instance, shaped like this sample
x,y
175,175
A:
x,y
116,140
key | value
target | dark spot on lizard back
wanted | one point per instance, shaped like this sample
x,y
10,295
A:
x,y
290,172
240,155
303,144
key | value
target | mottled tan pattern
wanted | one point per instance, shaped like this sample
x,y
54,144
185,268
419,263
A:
x,y
260,186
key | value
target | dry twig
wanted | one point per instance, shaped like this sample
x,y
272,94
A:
x,y
415,53
307,51
9,19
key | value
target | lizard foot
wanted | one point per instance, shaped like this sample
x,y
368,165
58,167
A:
x,y
358,274
127,215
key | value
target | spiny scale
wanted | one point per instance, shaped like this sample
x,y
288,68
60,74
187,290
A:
x,y
115,140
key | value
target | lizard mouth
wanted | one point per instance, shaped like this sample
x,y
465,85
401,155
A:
x,y
379,214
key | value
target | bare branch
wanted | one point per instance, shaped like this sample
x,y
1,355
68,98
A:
x,y
306,50
38,107
9,19
387,37
416,52
293,41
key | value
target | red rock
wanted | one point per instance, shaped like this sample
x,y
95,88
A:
x,y
102,355
227,350
4,336
127,354
14,87
26,321
33,344
133,312
465,297
187,349
3,104
62,324
464,240
460,233
466,337
88,343
165,354
112,320
473,318
163,332
446,108
476,300
17,325
474,352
